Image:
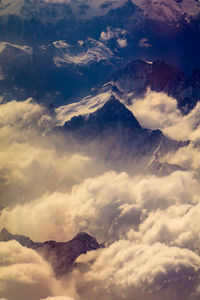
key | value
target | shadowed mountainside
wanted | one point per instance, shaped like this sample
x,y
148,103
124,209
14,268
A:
x,y
61,255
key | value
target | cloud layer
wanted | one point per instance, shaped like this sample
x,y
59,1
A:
x,y
150,224
31,160
25,275
159,111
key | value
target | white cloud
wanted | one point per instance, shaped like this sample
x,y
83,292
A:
x,y
25,115
24,274
117,33
122,43
32,161
108,206
57,1
58,298
144,43
150,224
142,267
107,35
159,111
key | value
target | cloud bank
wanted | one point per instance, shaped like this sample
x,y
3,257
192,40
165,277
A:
x,y
150,224
24,274
31,160
159,111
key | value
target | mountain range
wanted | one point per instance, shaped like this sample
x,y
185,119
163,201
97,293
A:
x,y
67,73
76,47
61,255
113,134
99,102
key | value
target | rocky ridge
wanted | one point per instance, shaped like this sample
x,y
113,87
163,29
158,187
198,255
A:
x,y
61,255
113,134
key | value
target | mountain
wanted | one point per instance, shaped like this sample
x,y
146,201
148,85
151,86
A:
x,y
132,81
84,53
131,29
112,134
61,255
138,75
86,105
69,72
170,11
40,21
76,46
66,71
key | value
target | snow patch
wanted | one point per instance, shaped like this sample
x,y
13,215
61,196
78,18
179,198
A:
x,y
89,51
86,106
25,48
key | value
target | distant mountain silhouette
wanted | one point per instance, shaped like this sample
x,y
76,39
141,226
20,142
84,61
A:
x,y
60,254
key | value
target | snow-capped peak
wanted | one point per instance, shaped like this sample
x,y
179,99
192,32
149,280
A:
x,y
169,10
86,106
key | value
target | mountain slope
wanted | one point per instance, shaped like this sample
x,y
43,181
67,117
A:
x,y
169,11
60,254
66,71
138,75
113,134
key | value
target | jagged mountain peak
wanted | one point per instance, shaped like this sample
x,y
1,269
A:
x,y
169,11
113,134
113,113
138,75
89,242
5,234
60,254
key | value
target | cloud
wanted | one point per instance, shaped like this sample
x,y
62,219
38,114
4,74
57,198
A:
x,y
24,274
122,42
117,33
107,206
32,160
176,226
58,298
159,111
150,225
144,43
57,1
107,35
25,115
186,157
148,272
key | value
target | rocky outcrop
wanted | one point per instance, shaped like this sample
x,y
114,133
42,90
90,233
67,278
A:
x,y
113,134
138,75
61,255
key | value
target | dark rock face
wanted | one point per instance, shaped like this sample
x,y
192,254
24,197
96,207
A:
x,y
113,134
25,241
60,254
112,115
63,254
38,24
138,75
61,79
